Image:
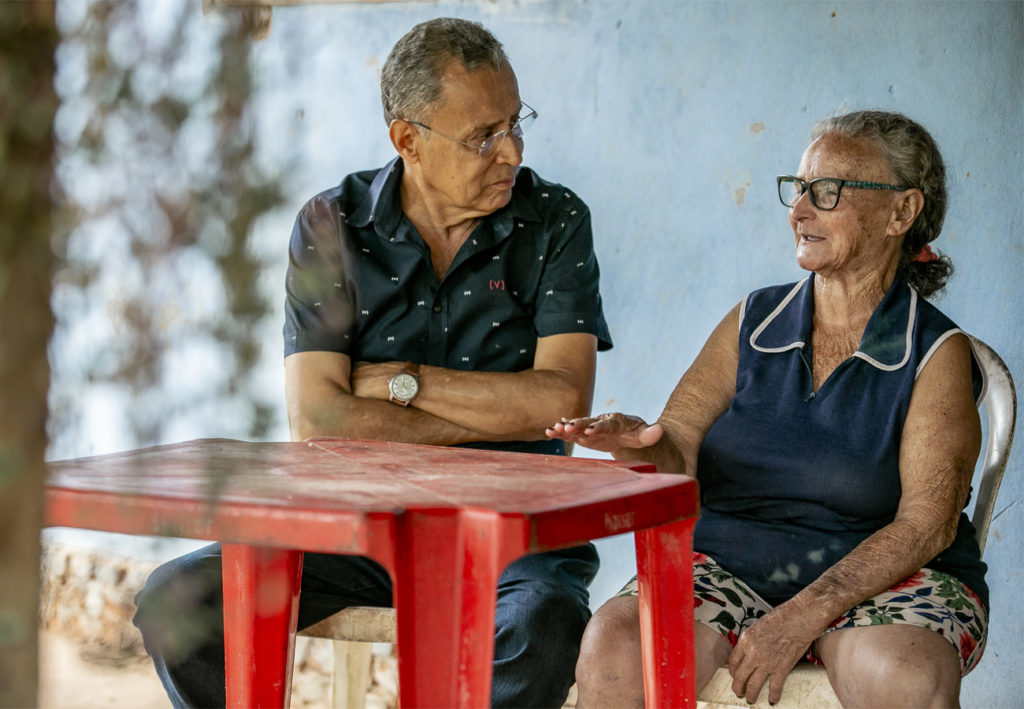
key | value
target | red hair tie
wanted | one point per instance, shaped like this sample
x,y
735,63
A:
x,y
925,255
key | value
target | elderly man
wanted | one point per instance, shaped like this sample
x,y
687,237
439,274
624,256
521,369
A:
x,y
449,298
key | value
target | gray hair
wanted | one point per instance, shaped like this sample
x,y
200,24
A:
x,y
410,82
912,155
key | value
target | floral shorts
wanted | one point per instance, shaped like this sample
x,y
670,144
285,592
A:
x,y
927,598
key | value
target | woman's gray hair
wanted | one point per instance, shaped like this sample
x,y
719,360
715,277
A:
x,y
410,82
914,158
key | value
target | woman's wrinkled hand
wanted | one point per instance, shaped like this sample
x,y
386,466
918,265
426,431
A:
x,y
610,433
767,651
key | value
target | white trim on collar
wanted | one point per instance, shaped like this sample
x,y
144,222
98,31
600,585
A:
x,y
771,316
800,344
911,319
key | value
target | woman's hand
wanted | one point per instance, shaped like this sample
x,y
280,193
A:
x,y
768,650
611,433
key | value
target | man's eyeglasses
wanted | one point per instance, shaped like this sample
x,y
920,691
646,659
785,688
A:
x,y
492,141
824,191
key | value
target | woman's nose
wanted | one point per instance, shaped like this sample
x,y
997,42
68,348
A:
x,y
802,208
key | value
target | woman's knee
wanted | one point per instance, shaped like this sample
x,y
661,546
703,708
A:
x,y
611,651
891,665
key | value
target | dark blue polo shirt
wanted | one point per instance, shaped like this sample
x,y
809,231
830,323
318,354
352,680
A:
x,y
360,279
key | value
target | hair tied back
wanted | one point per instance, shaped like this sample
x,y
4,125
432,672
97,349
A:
x,y
925,255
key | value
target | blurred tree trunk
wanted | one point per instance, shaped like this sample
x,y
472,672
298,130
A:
x,y
28,40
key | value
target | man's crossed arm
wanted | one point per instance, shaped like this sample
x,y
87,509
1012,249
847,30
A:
x,y
329,396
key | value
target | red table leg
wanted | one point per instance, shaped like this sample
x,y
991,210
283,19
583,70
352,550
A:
x,y
665,576
261,594
446,579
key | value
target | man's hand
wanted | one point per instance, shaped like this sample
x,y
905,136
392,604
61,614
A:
x,y
321,402
370,379
610,433
768,650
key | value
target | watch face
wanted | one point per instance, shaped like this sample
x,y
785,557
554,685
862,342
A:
x,y
404,386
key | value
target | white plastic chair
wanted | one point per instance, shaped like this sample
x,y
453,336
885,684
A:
x,y
1000,400
353,629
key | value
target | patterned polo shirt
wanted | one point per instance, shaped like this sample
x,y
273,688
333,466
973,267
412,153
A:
x,y
360,279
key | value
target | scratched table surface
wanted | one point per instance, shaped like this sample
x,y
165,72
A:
x,y
222,489
443,521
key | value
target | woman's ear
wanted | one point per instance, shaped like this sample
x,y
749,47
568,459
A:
x,y
404,137
905,212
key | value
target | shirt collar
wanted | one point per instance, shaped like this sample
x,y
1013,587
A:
x,y
518,209
383,206
886,342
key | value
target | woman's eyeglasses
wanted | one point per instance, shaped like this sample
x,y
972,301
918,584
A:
x,y
824,191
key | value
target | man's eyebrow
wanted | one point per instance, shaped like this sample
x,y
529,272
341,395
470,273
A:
x,y
482,128
488,128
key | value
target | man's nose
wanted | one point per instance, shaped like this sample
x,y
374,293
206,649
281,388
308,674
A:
x,y
510,150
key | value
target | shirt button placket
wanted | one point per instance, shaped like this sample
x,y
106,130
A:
x,y
438,332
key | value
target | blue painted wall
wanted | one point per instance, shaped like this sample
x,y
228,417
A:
x,y
671,120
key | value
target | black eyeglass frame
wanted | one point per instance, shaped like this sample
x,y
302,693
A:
x,y
492,141
807,187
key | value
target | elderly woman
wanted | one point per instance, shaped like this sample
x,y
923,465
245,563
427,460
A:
x,y
832,424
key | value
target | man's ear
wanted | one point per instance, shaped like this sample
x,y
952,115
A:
x,y
905,212
405,138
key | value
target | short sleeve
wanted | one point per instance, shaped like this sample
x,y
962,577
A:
x,y
320,300
569,298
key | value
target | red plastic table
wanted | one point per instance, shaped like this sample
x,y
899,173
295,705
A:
x,y
443,521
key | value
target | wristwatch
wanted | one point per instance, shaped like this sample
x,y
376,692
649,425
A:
x,y
404,386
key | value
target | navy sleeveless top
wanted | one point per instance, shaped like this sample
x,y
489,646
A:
x,y
792,479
